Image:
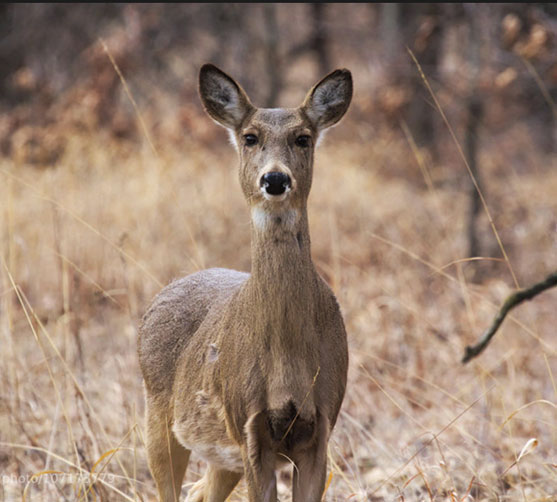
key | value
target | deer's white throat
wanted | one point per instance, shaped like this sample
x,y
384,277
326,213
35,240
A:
x,y
263,219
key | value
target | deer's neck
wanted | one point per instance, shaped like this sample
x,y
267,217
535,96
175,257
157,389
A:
x,y
283,277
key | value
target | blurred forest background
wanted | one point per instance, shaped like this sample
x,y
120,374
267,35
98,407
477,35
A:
x,y
113,181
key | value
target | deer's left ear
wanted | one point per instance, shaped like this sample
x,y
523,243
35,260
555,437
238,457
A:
x,y
329,99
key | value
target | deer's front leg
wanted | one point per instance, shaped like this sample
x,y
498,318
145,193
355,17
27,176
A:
x,y
308,481
259,461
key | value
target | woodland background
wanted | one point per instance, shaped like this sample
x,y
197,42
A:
x,y
113,182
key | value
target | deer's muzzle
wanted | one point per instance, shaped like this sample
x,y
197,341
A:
x,y
275,183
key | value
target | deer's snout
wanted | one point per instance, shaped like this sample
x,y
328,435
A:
x,y
275,183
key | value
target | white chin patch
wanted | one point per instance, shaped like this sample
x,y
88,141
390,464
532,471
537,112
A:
x,y
262,218
275,198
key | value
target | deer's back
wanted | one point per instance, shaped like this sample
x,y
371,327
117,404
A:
x,y
173,318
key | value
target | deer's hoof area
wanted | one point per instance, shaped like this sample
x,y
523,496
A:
x,y
197,491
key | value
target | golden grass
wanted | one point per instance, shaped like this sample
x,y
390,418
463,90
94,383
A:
x,y
86,244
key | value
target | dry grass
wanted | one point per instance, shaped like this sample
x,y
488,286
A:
x,y
87,244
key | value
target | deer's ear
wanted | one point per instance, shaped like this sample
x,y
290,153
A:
x,y
329,99
222,97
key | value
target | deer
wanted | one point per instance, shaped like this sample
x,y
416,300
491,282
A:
x,y
249,370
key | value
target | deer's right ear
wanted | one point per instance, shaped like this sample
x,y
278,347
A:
x,y
223,99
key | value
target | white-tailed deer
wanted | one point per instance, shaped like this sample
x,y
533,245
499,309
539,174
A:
x,y
249,370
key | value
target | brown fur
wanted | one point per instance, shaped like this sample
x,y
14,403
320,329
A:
x,y
247,369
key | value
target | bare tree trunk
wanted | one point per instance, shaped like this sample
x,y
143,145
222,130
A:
x,y
475,110
272,56
425,41
390,28
474,114
320,37
547,119
10,59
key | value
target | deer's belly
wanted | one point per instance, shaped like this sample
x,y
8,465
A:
x,y
223,456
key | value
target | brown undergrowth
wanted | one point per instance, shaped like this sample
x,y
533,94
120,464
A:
x,y
87,243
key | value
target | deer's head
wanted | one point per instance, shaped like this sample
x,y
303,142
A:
x,y
276,145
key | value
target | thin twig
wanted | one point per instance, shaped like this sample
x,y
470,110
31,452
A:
x,y
512,301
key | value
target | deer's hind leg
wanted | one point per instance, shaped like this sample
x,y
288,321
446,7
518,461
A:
x,y
168,459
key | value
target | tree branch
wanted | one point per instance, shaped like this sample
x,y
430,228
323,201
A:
x,y
512,301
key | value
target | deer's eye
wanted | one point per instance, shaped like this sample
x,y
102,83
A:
x,y
251,139
303,141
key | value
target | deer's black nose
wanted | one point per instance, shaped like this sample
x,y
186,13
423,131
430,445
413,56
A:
x,y
275,183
